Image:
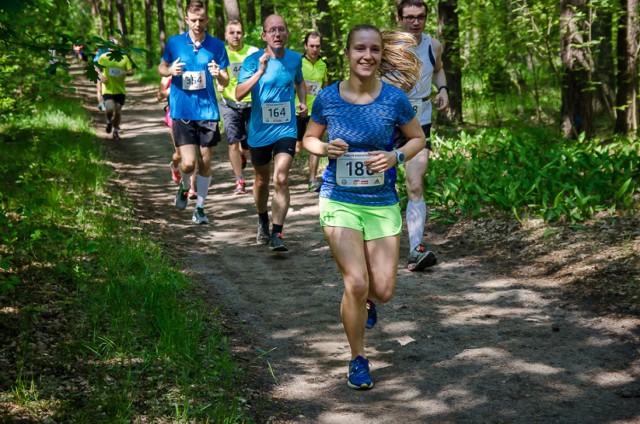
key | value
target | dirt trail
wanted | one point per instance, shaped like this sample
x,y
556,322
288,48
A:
x,y
458,344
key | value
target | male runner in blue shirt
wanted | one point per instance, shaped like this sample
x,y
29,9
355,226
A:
x,y
273,76
193,60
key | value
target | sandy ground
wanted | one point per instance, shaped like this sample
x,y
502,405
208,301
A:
x,y
460,343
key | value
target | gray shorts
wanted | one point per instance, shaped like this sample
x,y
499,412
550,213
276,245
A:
x,y
236,124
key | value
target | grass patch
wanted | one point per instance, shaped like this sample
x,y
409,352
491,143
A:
x,y
99,326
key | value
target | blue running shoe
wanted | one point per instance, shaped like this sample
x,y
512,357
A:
x,y
358,377
277,244
372,315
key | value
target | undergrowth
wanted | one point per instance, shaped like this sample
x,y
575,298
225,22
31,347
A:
x,y
531,173
96,324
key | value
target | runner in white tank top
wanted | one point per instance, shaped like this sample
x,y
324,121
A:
x,y
412,15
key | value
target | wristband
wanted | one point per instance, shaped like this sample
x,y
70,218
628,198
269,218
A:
x,y
445,87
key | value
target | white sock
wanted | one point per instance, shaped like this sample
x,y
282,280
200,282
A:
x,y
416,217
202,185
186,179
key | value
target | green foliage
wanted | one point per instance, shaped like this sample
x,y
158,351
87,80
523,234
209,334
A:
x,y
532,172
136,340
511,59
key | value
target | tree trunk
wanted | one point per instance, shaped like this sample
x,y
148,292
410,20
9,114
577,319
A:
x,y
216,18
627,85
577,107
251,14
180,15
266,9
162,34
132,22
148,24
332,51
604,97
122,17
96,15
449,33
232,10
110,11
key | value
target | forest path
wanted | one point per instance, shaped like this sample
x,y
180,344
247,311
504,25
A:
x,y
460,343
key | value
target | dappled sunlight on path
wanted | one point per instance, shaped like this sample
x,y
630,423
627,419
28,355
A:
x,y
457,344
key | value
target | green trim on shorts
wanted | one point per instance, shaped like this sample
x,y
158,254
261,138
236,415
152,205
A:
x,y
373,222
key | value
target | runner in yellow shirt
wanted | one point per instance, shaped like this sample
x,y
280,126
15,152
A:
x,y
314,72
236,114
112,75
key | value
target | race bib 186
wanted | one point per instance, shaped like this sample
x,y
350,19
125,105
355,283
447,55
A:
x,y
194,80
276,113
352,172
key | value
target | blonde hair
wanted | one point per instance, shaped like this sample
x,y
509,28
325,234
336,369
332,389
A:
x,y
400,65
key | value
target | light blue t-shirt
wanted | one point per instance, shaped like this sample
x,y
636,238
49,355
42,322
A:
x,y
272,97
193,94
365,128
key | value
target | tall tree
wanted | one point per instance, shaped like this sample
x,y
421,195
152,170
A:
x,y
180,15
232,10
216,17
332,43
148,25
132,16
449,33
110,8
96,15
251,13
266,9
577,94
122,17
627,103
162,32
604,56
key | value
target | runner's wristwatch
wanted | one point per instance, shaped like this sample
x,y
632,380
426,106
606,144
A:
x,y
400,157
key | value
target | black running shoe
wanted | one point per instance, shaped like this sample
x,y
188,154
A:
x,y
263,236
421,258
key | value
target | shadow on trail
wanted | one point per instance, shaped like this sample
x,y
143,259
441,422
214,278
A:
x,y
457,344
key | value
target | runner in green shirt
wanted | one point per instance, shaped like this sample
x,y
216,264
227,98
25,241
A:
x,y
112,76
314,72
236,114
